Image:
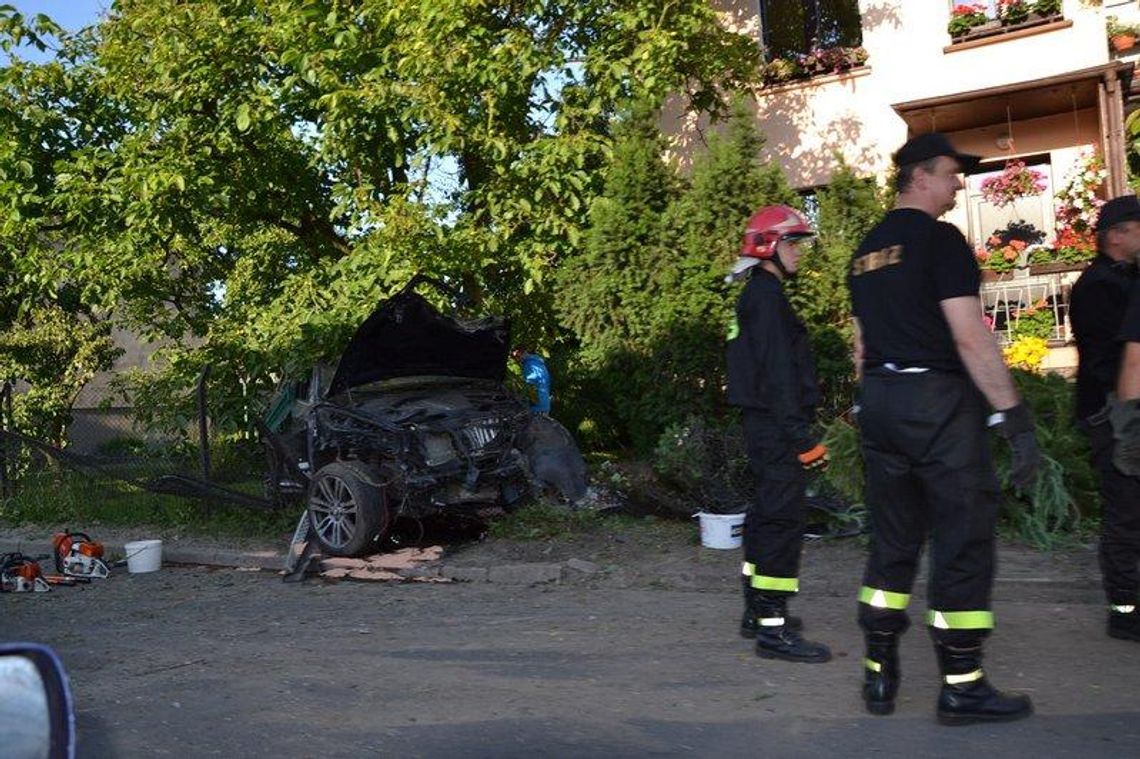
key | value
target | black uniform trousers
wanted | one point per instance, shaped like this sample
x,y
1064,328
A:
x,y
1120,519
775,521
928,472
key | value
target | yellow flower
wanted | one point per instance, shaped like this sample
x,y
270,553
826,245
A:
x,y
1026,353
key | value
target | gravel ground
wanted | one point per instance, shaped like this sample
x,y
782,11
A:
x,y
637,656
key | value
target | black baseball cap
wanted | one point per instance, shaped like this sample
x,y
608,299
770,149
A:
x,y
931,145
1117,210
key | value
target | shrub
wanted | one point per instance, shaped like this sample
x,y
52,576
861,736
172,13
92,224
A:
x,y
1067,488
845,471
707,463
1065,493
847,209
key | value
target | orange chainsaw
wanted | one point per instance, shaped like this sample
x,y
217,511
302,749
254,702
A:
x,y
21,574
77,555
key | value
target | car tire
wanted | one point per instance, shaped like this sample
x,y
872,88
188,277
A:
x,y
348,508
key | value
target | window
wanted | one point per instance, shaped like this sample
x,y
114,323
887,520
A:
x,y
810,200
795,27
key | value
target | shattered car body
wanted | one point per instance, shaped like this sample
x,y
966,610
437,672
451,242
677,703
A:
x,y
415,421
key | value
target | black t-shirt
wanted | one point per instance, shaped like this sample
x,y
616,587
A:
x,y
1096,311
901,272
1130,327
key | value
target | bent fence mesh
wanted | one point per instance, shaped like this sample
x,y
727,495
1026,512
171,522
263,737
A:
x,y
105,455
714,472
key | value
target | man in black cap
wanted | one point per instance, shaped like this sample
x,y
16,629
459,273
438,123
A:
x,y
1097,311
930,373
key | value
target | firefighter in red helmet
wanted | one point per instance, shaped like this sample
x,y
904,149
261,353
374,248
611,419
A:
x,y
771,377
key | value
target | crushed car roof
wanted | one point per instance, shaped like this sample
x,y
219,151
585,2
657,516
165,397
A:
x,y
406,337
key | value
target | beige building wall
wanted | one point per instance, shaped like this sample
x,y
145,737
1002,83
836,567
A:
x,y
807,124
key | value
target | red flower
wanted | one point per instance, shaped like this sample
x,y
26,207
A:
x,y
966,9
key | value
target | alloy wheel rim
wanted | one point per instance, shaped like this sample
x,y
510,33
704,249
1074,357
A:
x,y
334,510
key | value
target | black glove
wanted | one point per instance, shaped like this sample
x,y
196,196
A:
x,y
1016,426
1125,419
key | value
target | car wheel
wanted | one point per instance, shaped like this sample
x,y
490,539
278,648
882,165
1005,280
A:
x,y
348,508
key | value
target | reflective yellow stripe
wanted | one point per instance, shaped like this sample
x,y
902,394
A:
x,y
771,621
873,665
960,620
786,584
883,599
969,677
1124,609
748,569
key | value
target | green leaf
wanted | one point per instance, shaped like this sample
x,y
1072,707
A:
x,y
241,118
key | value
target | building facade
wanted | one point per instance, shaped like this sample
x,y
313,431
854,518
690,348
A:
x,y
1037,88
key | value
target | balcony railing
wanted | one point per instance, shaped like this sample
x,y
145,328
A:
x,y
1003,302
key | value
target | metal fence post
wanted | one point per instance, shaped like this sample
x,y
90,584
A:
x,y
203,427
6,489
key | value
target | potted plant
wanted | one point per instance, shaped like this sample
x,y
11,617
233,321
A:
x,y
1013,12
1010,248
964,18
780,70
1047,8
1015,181
1077,208
1121,36
832,60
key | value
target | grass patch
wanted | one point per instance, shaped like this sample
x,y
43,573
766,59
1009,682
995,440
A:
x,y
61,498
542,521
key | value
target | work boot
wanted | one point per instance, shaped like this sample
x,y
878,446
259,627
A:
x,y
1124,624
774,639
967,696
748,622
881,672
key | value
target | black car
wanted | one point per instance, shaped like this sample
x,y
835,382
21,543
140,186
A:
x,y
415,421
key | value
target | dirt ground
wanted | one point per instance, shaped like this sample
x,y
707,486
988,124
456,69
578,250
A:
x,y
637,657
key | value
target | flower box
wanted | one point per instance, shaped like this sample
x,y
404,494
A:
x,y
816,62
989,275
1121,36
981,30
1122,42
994,27
1056,267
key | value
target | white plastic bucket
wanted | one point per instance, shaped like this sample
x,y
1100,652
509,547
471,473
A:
x,y
721,530
143,556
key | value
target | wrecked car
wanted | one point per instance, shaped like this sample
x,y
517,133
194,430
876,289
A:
x,y
415,420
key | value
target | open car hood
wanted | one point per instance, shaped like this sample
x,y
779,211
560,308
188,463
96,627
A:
x,y
407,337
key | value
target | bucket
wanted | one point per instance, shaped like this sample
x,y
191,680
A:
x,y
143,556
721,530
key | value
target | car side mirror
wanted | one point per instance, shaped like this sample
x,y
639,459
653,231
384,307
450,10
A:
x,y
37,716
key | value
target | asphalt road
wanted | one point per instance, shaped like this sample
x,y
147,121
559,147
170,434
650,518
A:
x,y
195,662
